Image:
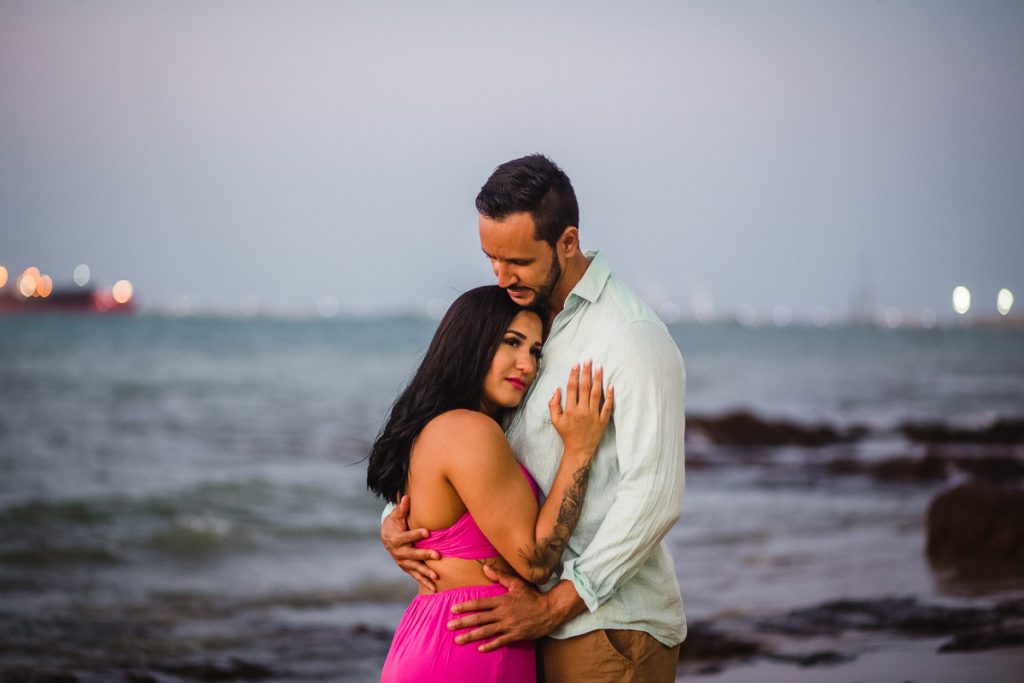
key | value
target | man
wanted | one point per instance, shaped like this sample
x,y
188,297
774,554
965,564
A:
x,y
615,613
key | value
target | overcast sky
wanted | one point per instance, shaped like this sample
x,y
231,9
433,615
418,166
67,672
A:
x,y
250,154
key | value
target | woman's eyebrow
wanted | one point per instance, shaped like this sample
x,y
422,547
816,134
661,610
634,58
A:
x,y
516,332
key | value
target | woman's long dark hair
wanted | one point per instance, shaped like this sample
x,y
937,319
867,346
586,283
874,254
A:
x,y
451,376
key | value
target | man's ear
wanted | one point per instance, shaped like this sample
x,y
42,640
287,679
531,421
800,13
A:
x,y
569,242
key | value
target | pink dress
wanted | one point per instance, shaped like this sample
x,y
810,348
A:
x,y
424,650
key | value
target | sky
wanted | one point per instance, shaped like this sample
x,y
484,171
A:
x,y
254,155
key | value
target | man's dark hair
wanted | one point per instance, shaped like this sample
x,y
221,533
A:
x,y
450,376
534,184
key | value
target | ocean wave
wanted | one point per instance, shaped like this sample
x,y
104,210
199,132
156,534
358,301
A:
x,y
48,557
198,522
198,537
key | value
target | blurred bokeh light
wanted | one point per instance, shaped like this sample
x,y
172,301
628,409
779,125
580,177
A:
x,y
122,291
28,281
44,286
1004,301
81,275
961,299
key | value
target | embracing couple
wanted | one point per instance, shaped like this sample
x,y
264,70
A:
x,y
536,460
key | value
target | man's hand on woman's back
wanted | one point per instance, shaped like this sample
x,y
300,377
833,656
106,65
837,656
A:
x,y
398,540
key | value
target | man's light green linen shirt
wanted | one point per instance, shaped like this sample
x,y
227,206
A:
x,y
616,557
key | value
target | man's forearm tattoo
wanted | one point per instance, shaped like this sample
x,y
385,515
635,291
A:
x,y
546,556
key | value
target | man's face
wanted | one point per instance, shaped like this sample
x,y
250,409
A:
x,y
526,267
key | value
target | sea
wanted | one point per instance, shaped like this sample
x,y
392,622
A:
x,y
184,498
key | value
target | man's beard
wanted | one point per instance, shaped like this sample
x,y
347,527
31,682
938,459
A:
x,y
543,293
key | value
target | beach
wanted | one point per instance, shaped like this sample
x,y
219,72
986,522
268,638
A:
x,y
184,499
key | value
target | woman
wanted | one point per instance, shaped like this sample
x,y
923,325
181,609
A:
x,y
444,446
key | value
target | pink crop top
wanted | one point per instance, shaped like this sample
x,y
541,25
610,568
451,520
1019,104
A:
x,y
464,538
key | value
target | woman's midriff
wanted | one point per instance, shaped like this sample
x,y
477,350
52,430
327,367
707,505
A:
x,y
455,572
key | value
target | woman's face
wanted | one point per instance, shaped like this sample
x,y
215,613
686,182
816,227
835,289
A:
x,y
514,366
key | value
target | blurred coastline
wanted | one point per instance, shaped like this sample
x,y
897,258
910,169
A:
x,y
184,499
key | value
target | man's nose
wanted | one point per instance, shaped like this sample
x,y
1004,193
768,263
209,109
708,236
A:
x,y
504,274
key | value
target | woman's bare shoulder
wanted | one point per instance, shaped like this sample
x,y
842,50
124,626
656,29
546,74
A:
x,y
461,423
456,432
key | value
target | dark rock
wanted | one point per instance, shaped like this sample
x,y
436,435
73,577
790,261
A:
x,y
698,461
745,429
1005,431
822,658
985,639
139,677
845,466
931,467
992,468
26,675
709,669
903,615
705,642
977,529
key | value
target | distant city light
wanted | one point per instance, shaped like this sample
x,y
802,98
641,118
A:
x,y
122,291
928,318
821,316
81,275
782,315
327,306
893,317
961,299
181,306
28,281
3,276
1004,301
746,315
704,311
44,286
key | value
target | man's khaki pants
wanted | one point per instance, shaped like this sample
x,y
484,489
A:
x,y
607,656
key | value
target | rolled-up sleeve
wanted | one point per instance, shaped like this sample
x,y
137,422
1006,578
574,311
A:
x,y
647,372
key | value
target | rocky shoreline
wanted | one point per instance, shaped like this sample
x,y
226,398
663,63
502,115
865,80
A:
x,y
974,525
712,645
973,480
828,634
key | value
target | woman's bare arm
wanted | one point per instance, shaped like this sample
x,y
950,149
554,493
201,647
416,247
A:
x,y
483,471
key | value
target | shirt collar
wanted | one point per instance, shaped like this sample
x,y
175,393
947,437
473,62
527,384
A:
x,y
594,279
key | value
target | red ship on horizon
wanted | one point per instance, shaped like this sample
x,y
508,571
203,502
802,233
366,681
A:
x,y
33,292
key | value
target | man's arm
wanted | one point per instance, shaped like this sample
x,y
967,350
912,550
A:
x,y
649,381
524,613
650,385
398,540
